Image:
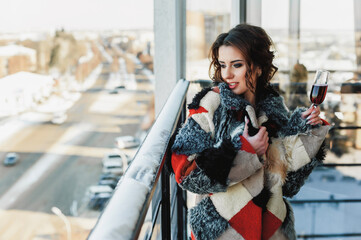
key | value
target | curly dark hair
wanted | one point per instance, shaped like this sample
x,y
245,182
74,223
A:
x,y
254,44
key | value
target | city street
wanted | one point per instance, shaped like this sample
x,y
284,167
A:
x,y
57,163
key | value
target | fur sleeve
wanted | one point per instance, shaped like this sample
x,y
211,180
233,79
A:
x,y
296,179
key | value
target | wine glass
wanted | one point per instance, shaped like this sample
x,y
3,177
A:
x,y
319,87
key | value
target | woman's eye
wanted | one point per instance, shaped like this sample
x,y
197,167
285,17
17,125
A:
x,y
223,66
237,65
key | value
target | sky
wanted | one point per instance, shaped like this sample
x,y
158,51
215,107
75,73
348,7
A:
x,y
39,15
315,14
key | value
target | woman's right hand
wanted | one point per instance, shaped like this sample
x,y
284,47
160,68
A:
x,y
259,142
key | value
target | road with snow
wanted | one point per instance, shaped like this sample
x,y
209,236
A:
x,y
58,162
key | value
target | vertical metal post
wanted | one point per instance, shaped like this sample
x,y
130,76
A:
x,y
166,221
294,41
182,213
238,12
294,30
357,11
254,12
169,40
182,196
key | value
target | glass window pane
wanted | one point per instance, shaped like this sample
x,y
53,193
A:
x,y
205,21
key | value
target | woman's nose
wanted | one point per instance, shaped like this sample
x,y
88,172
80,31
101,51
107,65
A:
x,y
228,73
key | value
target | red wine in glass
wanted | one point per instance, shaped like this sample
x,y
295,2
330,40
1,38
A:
x,y
318,93
319,87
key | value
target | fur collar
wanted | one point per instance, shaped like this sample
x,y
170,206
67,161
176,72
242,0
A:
x,y
231,101
271,104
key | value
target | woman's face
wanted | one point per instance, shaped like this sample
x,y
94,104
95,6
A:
x,y
233,70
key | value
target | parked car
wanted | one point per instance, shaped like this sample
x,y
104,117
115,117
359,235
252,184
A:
x,y
113,166
109,176
126,142
97,189
11,159
99,201
108,182
112,157
98,196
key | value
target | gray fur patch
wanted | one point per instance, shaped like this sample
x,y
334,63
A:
x,y
295,180
275,109
231,101
296,124
205,221
198,182
191,139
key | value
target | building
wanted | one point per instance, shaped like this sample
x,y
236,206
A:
x,y
23,90
16,58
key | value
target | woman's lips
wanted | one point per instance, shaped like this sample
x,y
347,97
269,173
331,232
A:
x,y
232,85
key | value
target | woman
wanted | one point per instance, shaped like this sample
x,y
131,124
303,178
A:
x,y
241,150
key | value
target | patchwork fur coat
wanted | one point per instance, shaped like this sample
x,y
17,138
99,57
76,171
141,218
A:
x,y
241,195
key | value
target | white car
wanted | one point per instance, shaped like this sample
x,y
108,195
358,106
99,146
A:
x,y
112,157
126,142
98,189
113,166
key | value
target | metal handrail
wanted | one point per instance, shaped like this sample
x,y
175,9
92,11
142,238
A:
x,y
328,235
125,212
303,201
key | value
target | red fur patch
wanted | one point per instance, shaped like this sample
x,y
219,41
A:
x,y
192,236
198,110
248,221
246,146
181,166
324,122
270,224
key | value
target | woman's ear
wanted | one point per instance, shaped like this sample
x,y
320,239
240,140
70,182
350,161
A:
x,y
259,71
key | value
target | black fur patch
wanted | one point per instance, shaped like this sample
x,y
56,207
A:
x,y
251,130
217,162
198,97
262,198
295,180
272,129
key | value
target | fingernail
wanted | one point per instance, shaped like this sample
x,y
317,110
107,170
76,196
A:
x,y
308,122
313,112
308,118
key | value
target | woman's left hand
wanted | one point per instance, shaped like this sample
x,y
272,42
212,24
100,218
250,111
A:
x,y
312,115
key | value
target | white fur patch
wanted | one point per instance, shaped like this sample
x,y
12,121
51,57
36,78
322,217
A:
x,y
211,102
295,150
231,202
237,131
252,115
192,157
276,204
262,118
204,122
244,165
230,234
313,141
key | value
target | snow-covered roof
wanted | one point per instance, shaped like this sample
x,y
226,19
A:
x,y
14,50
24,81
